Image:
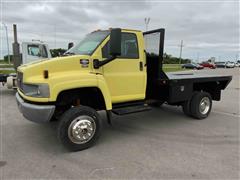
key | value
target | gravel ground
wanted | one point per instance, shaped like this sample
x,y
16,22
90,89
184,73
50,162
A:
x,y
158,144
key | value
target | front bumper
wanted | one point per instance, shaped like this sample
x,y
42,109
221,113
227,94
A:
x,y
33,112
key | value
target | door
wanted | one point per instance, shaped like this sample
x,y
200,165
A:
x,y
126,76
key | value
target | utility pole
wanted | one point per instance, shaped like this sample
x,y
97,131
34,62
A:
x,y
181,47
55,34
197,57
147,20
7,42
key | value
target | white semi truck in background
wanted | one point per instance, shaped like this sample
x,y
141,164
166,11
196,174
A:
x,y
30,52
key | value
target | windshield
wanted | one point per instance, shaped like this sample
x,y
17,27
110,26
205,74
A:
x,y
89,43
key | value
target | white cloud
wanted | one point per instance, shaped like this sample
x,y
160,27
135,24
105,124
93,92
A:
x,y
209,28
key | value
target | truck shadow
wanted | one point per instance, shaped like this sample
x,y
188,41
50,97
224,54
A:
x,y
156,120
43,137
122,127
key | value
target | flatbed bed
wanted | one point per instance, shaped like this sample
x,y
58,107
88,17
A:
x,y
178,87
193,75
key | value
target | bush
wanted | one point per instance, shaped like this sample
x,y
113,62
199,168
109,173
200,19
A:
x,y
175,60
5,58
169,59
57,52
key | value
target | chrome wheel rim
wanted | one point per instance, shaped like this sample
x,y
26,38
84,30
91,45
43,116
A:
x,y
82,129
204,105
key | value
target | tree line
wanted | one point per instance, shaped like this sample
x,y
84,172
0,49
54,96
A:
x,y
167,58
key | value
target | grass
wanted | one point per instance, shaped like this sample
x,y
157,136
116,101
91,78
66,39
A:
x,y
3,62
6,71
172,67
6,66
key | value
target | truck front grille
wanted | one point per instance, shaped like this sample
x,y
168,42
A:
x,y
19,80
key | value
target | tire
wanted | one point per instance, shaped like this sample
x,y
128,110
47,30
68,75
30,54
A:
x,y
203,98
186,108
79,128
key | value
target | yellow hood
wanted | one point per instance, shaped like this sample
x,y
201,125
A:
x,y
34,71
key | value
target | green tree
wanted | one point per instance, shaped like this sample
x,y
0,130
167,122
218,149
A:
x,y
5,58
169,59
57,52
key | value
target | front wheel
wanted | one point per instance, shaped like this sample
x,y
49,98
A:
x,y
201,105
79,128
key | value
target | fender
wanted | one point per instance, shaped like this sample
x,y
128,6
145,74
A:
x,y
102,85
58,84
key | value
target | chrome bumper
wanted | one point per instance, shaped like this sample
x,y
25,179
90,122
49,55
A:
x,y
35,113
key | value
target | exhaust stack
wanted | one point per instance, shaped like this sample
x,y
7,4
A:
x,y
17,58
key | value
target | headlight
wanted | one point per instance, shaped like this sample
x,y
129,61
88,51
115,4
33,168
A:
x,y
36,90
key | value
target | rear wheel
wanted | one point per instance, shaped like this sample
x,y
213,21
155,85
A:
x,y
201,105
79,128
186,108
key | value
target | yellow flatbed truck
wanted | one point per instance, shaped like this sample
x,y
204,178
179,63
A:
x,y
109,70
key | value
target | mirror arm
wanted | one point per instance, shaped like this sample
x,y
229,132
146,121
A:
x,y
97,64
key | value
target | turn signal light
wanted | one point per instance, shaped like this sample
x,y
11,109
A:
x,y
45,74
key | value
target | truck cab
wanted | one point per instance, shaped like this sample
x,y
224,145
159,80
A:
x,y
31,51
116,70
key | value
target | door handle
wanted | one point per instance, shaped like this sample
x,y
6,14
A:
x,y
141,66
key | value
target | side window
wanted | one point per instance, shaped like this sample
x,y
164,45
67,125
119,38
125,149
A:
x,y
44,51
129,47
37,50
33,50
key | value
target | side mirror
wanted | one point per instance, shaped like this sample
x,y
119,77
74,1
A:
x,y
70,45
115,48
115,42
